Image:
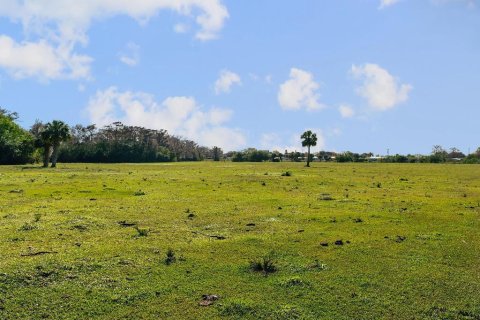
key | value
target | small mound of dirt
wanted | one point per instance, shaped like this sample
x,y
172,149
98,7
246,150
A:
x,y
208,299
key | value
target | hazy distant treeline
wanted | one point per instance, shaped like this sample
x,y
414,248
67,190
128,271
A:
x,y
121,143
438,155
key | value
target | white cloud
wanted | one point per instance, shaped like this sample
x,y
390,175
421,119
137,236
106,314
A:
x,y
300,91
346,111
226,80
72,18
57,27
41,60
131,55
179,115
379,87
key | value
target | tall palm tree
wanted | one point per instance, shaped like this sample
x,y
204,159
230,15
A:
x,y
309,139
53,135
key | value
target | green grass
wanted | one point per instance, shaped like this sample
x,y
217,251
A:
x,y
89,241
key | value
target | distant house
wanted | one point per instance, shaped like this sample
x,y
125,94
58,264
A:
x,y
375,158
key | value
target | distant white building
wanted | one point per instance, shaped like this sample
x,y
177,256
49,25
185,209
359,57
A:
x,y
375,158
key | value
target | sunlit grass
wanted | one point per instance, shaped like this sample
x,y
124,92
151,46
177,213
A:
x,y
362,241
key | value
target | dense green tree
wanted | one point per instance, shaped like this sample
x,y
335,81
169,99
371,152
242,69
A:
x,y
16,144
309,139
53,134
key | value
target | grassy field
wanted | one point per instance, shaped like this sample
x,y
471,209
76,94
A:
x,y
89,241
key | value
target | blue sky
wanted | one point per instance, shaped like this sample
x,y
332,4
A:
x,y
365,75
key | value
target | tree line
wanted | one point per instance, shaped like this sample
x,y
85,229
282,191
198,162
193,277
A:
x,y
438,155
56,141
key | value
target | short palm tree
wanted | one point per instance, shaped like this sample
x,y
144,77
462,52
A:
x,y
309,139
53,134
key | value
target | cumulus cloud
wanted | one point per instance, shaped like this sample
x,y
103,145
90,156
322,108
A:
x,y
179,115
300,91
346,111
380,88
41,60
131,55
57,27
226,80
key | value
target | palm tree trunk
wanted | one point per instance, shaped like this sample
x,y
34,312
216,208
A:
x,y
308,157
46,155
56,150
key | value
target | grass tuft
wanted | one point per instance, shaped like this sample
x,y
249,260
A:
x,y
266,265
170,257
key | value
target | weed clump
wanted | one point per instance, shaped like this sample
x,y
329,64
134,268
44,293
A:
x,y
317,265
266,265
286,174
139,193
287,312
28,227
292,282
325,197
170,257
238,308
142,232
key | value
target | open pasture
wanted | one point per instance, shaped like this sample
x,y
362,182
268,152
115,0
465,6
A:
x,y
344,241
